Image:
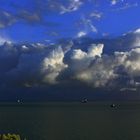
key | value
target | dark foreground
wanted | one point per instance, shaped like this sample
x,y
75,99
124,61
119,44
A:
x,y
72,121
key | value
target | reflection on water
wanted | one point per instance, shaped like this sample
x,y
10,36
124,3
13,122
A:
x,y
72,121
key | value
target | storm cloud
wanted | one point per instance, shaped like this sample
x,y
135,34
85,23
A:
x,y
30,65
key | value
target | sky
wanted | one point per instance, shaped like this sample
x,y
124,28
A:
x,y
69,50
40,20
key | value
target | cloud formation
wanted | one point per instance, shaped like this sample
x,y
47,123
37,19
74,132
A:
x,y
31,65
73,5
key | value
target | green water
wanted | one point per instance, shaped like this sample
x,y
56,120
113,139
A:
x,y
72,121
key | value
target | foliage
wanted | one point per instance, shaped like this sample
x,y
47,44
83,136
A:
x,y
10,137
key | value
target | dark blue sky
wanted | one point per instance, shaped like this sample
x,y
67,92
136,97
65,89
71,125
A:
x,y
40,20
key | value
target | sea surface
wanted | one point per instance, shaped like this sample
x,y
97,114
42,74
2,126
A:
x,y
72,121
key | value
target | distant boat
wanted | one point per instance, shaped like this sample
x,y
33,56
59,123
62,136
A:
x,y
85,100
18,101
113,106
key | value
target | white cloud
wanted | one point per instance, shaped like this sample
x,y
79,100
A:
x,y
81,34
82,66
95,50
4,40
38,64
86,27
93,28
52,65
74,5
89,25
35,65
130,60
96,15
114,2
99,72
97,69
137,31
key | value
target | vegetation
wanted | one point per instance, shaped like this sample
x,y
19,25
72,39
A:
x,y
10,137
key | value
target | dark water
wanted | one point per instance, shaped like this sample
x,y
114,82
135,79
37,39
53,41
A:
x,y
72,121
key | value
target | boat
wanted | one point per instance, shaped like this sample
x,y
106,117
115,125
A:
x,y
85,100
113,106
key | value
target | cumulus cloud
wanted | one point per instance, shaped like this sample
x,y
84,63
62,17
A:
x,y
53,65
32,65
130,61
81,60
91,67
99,70
39,64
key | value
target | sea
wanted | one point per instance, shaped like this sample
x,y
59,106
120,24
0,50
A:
x,y
71,120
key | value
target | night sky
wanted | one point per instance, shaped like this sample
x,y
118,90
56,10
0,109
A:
x,y
69,50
